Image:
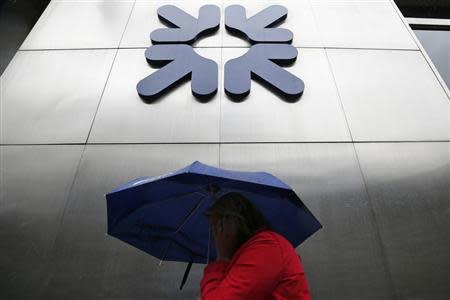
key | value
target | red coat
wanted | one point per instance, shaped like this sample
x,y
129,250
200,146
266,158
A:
x,y
264,267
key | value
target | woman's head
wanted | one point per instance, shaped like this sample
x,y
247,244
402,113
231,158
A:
x,y
236,215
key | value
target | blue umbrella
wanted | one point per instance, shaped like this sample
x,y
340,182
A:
x,y
164,215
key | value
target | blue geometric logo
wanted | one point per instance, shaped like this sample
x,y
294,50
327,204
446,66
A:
x,y
173,54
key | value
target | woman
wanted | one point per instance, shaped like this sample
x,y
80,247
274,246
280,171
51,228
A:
x,y
253,262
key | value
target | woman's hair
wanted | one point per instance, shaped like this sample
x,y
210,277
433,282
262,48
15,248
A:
x,y
233,208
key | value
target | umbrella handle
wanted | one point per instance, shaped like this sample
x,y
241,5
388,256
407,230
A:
x,y
186,274
209,245
188,268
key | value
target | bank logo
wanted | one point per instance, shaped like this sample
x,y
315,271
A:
x,y
173,54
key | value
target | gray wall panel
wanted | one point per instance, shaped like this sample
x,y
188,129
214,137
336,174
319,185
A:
x,y
123,117
409,186
85,24
86,263
266,117
361,24
52,96
34,186
390,95
344,260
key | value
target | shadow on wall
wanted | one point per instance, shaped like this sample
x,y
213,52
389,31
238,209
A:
x,y
17,18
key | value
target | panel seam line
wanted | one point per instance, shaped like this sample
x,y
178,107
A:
x,y
109,74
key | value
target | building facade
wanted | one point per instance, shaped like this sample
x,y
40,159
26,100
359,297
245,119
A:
x,y
366,147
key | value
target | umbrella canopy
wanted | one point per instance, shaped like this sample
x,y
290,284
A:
x,y
164,215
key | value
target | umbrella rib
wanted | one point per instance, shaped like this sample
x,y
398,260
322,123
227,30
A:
x,y
185,236
188,217
155,203
171,240
184,222
191,213
186,248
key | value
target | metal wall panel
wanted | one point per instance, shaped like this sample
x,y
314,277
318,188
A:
x,y
361,24
144,19
123,117
52,96
34,186
385,219
345,259
409,186
390,95
86,262
266,117
85,24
